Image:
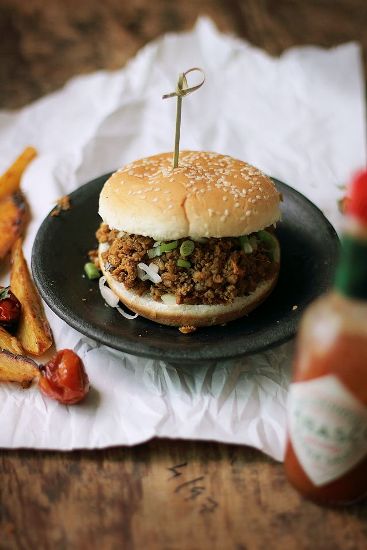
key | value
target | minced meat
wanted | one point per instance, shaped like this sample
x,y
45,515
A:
x,y
220,269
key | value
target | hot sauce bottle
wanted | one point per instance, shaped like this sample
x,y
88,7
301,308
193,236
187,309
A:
x,y
326,456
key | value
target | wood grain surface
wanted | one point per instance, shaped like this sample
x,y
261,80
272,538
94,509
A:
x,y
163,494
44,43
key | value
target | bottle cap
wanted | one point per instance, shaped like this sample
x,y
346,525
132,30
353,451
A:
x,y
356,203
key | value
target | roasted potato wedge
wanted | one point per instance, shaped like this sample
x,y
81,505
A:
x,y
17,368
9,342
13,217
34,333
10,180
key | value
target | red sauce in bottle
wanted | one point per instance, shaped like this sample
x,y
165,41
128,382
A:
x,y
345,359
326,456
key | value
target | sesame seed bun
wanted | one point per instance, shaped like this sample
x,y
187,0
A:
x,y
208,195
192,315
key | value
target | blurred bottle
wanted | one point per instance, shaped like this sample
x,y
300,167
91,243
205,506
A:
x,y
326,457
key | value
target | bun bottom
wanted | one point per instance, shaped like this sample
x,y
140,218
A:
x,y
184,314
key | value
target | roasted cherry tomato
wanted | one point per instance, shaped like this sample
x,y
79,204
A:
x,y
9,308
64,378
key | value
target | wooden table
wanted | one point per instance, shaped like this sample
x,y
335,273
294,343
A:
x,y
163,494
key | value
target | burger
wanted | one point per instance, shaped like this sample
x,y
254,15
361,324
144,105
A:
x,y
189,246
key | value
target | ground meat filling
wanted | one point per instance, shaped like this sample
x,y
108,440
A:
x,y
220,270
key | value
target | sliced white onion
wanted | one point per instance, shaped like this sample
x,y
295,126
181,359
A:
x,y
146,272
168,299
109,297
142,275
112,300
126,315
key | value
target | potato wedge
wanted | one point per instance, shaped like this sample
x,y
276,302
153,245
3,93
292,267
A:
x,y
9,342
34,333
17,368
10,180
13,217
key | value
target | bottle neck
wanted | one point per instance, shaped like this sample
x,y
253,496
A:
x,y
351,275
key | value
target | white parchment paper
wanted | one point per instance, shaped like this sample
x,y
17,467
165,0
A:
x,y
299,117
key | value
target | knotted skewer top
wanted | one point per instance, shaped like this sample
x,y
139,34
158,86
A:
x,y
182,90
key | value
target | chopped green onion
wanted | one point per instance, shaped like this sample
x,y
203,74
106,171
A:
x,y
5,293
253,242
267,239
167,247
153,252
91,271
187,248
245,244
183,263
242,240
269,242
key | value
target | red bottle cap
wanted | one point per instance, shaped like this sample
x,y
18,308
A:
x,y
356,204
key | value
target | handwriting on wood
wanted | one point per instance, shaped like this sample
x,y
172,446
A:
x,y
192,489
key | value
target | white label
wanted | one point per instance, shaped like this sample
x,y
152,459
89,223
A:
x,y
327,428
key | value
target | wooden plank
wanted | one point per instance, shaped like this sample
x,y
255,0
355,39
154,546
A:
x,y
164,494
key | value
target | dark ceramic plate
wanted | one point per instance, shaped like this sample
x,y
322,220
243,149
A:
x,y
309,247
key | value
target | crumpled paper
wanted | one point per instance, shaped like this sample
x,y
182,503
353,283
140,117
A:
x,y
299,117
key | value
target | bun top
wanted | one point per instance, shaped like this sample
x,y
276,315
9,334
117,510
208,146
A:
x,y
208,195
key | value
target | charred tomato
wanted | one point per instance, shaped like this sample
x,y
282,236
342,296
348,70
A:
x,y
64,378
10,309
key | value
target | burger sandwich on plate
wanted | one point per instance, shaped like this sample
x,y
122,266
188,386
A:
x,y
189,246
